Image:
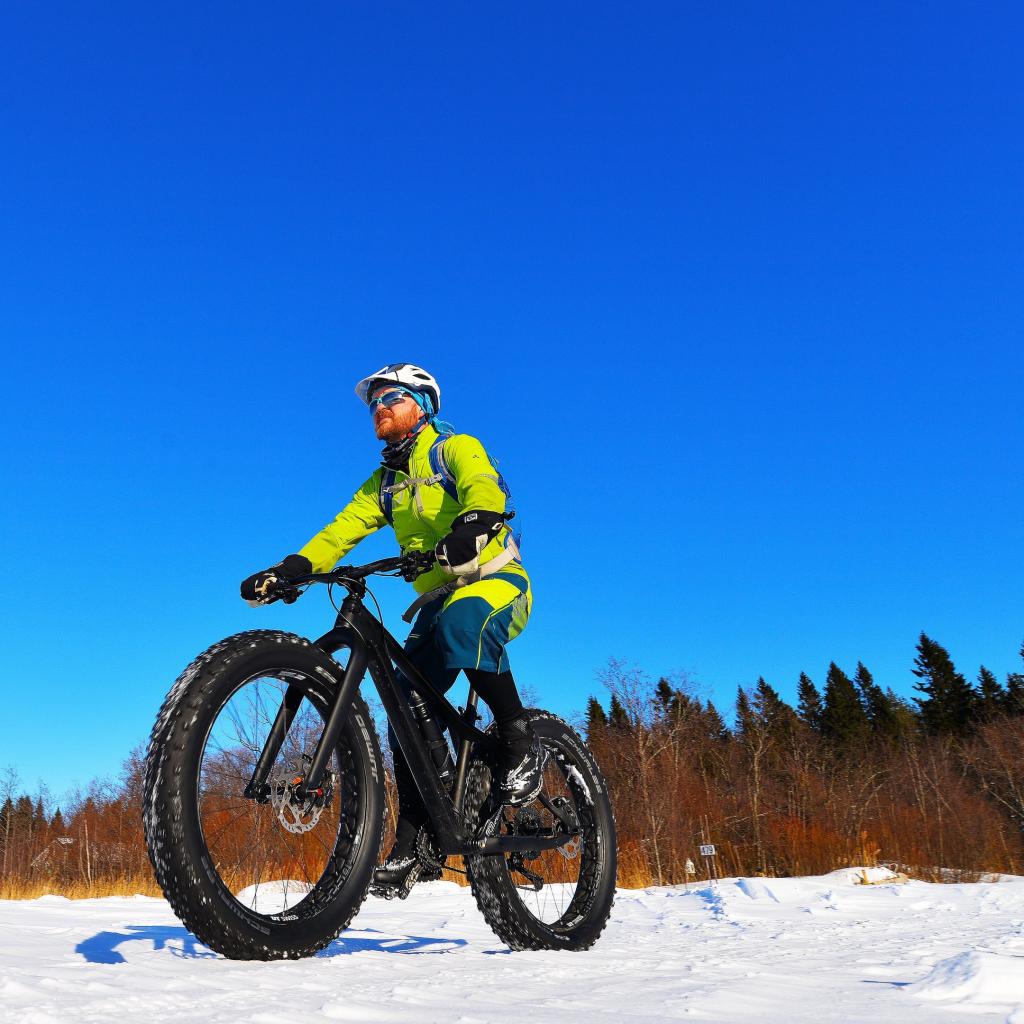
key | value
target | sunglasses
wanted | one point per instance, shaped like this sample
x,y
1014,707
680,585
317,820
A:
x,y
388,398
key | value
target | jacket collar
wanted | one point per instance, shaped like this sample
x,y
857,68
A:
x,y
424,439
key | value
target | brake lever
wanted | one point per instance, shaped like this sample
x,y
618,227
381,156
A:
x,y
416,564
279,593
280,589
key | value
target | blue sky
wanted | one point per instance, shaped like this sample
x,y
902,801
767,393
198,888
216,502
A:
x,y
734,294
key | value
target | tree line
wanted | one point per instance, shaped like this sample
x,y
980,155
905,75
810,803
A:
x,y
850,774
91,846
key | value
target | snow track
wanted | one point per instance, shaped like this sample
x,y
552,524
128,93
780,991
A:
x,y
796,949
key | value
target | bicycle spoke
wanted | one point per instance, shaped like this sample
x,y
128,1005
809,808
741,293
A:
x,y
560,873
254,845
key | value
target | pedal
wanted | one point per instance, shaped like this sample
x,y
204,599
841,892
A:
x,y
398,892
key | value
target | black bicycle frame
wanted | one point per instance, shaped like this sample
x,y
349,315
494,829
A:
x,y
371,647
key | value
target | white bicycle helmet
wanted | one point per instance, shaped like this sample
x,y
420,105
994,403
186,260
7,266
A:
x,y
406,375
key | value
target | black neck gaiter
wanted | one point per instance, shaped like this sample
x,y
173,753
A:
x,y
396,455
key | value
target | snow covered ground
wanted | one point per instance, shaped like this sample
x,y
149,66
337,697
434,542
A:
x,y
800,949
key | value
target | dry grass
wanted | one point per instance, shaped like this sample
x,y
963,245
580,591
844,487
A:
x,y
118,885
145,884
633,874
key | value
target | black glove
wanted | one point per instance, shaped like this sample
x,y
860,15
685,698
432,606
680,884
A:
x,y
256,589
415,564
459,552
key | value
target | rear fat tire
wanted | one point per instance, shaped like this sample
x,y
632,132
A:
x,y
489,877
174,837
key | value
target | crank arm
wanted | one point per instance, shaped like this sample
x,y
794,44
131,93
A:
x,y
559,813
517,844
521,869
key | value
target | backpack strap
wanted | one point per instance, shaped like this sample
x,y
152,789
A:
x,y
387,495
439,466
442,475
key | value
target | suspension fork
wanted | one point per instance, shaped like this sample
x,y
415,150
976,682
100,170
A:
x,y
258,787
354,671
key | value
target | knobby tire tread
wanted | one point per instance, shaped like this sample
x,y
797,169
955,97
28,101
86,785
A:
x,y
508,919
162,810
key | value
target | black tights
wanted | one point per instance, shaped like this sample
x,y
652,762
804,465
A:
x,y
499,693
498,690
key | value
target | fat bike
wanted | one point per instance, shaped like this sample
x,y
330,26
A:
x,y
264,799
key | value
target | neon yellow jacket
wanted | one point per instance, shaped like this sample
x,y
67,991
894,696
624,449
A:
x,y
422,513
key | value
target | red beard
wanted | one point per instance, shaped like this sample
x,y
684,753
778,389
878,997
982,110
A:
x,y
392,424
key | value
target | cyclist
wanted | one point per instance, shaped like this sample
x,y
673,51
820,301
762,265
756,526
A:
x,y
472,603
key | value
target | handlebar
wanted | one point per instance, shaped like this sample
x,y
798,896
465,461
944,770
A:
x,y
409,566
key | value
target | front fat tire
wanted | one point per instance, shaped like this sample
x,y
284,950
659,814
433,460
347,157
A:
x,y
174,839
496,894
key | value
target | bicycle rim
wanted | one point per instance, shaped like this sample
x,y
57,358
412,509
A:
x,y
275,858
552,885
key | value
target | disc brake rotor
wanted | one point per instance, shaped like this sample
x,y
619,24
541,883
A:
x,y
297,814
571,849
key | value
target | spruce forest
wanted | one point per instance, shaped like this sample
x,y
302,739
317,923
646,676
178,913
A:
x,y
852,774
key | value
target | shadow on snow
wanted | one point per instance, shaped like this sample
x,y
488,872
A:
x,y
102,948
345,945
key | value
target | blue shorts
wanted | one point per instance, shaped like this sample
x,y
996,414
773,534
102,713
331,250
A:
x,y
471,627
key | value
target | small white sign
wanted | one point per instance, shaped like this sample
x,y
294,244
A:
x,y
691,868
708,851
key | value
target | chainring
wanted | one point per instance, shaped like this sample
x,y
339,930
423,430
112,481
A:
x,y
426,852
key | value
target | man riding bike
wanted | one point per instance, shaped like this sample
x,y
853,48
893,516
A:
x,y
440,493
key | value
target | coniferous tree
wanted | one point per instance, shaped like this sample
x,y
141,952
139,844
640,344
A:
x,y
745,719
808,706
665,695
618,719
766,698
950,703
672,703
903,714
871,696
714,724
779,718
596,718
57,823
879,706
23,814
1013,700
991,696
843,719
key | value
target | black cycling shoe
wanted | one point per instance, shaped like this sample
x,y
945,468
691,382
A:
x,y
521,772
396,877
401,870
395,870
